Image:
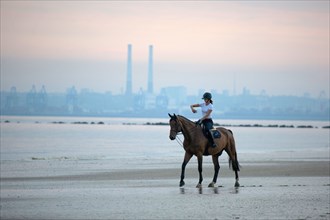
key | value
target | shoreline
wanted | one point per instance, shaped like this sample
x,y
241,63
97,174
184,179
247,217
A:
x,y
248,169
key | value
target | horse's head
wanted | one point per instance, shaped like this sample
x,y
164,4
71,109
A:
x,y
175,126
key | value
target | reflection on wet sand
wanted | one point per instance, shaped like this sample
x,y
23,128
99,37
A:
x,y
235,190
209,190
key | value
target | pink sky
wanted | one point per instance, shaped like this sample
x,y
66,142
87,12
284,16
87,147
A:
x,y
265,41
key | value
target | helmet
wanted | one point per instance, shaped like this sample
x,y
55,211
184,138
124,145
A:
x,y
207,95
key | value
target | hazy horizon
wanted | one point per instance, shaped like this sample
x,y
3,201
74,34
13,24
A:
x,y
280,47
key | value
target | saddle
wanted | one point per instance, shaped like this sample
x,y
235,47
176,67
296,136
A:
x,y
215,133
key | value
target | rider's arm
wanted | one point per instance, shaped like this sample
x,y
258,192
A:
x,y
192,107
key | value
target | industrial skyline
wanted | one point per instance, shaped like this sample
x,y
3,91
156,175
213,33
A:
x,y
149,89
146,103
129,75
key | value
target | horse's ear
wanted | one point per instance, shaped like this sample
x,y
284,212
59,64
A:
x,y
174,115
170,115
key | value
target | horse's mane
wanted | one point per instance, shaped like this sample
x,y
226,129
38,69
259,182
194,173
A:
x,y
186,118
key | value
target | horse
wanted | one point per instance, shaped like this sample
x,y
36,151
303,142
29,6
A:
x,y
195,143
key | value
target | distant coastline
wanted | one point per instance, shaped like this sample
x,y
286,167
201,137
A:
x,y
167,124
171,100
250,125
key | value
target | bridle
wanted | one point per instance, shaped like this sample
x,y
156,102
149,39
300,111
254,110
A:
x,y
176,131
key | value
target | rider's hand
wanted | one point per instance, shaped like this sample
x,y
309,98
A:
x,y
194,110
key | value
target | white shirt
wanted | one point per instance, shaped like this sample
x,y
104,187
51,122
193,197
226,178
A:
x,y
205,108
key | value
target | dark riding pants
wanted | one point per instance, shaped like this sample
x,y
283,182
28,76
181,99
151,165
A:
x,y
208,125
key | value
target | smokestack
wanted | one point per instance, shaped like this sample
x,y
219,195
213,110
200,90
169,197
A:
x,y
129,71
150,71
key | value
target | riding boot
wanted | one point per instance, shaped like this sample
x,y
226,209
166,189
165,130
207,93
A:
x,y
210,137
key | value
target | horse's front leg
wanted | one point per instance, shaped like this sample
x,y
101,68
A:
x,y
215,159
187,157
200,169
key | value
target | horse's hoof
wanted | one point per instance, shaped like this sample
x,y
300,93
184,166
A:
x,y
181,183
211,184
236,184
199,185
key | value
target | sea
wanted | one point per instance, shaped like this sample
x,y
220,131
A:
x,y
32,145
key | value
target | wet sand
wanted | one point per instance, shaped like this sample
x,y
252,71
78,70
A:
x,y
269,190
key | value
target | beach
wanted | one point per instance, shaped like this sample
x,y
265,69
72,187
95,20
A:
x,y
269,190
132,171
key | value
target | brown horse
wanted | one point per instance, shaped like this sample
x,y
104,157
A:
x,y
195,143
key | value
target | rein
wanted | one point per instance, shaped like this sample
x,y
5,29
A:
x,y
180,142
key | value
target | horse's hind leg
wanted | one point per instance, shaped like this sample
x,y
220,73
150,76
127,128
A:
x,y
236,169
236,176
186,159
234,164
215,159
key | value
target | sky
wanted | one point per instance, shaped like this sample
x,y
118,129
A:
x,y
281,47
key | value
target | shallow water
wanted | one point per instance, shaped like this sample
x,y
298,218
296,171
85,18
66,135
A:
x,y
38,138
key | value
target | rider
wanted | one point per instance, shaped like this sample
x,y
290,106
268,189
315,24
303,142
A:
x,y
206,120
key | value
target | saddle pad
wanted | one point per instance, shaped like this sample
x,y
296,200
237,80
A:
x,y
216,133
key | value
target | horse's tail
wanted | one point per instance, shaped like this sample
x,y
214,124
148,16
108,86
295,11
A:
x,y
233,161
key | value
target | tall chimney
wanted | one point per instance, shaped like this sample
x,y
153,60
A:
x,y
129,71
150,71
